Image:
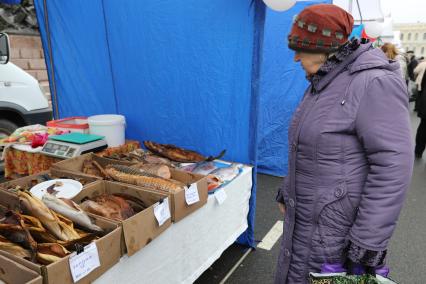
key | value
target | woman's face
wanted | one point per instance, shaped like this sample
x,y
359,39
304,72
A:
x,y
311,62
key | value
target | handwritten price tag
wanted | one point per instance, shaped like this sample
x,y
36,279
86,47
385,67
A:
x,y
220,195
162,211
191,194
85,262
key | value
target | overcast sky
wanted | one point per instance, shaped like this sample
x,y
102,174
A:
x,y
402,11
406,11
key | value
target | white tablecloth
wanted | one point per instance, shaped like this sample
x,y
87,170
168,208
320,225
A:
x,y
184,251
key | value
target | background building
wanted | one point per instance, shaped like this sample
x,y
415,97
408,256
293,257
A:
x,y
413,37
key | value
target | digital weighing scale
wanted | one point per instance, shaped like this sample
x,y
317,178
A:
x,y
73,144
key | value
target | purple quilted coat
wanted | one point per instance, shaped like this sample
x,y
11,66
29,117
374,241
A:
x,y
350,164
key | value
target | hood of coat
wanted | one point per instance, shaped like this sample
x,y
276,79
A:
x,y
365,57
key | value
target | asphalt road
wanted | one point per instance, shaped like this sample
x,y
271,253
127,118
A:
x,y
406,254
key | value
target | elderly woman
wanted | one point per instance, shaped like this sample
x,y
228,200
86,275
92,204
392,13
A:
x,y
350,154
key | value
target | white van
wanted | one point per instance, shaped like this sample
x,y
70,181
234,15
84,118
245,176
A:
x,y
22,101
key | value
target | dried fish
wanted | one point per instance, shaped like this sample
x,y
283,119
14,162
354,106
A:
x,y
177,154
134,176
156,169
36,229
90,169
97,209
15,249
49,253
51,189
134,156
58,225
136,203
154,159
109,206
13,228
70,210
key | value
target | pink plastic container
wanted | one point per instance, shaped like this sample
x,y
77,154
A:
x,y
73,124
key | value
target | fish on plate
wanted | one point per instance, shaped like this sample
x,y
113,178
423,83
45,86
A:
x,y
213,182
227,174
204,168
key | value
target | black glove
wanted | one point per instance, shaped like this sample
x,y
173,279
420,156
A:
x,y
351,268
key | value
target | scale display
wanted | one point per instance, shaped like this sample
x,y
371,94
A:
x,y
65,150
59,150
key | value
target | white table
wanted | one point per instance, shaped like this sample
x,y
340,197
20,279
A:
x,y
188,248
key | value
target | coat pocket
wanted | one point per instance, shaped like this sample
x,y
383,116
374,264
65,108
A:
x,y
334,215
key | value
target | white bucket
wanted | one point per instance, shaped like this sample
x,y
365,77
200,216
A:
x,y
109,125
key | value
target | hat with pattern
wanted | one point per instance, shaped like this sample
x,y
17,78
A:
x,y
320,28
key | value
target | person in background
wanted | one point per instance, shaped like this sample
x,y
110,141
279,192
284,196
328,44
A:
x,y
419,72
412,64
418,75
350,152
392,53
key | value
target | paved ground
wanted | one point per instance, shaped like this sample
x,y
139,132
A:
x,y
406,253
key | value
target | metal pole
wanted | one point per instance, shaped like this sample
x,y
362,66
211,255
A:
x,y
350,6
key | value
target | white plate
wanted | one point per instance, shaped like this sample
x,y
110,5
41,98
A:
x,y
69,189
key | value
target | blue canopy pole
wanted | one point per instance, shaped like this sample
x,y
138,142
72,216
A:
x,y
43,22
247,237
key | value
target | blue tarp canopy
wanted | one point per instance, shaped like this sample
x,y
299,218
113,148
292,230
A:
x,y
282,85
186,72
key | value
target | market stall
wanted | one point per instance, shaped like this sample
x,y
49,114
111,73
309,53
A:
x,y
189,247
187,79
142,207
174,83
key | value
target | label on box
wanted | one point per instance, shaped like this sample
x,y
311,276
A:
x,y
162,211
191,194
220,195
85,262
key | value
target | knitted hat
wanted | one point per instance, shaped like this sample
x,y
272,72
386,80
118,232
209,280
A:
x,y
320,28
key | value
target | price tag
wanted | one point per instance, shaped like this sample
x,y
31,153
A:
x,y
191,194
85,262
220,195
162,211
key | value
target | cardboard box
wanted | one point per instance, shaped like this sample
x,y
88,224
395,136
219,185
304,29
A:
x,y
109,249
13,272
28,181
76,164
141,228
180,209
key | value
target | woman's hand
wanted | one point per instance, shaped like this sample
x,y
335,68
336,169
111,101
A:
x,y
281,207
